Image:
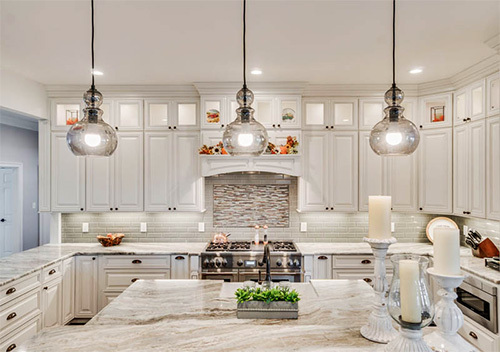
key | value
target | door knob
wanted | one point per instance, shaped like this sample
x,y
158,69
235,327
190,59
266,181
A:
x,y
3,220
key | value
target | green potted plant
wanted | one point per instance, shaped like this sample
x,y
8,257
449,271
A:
x,y
274,303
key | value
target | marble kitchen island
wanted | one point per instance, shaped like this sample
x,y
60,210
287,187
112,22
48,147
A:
x,y
195,315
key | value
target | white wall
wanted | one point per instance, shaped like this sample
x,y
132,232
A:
x,y
22,94
21,145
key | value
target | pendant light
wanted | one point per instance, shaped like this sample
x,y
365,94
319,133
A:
x,y
245,136
394,135
92,136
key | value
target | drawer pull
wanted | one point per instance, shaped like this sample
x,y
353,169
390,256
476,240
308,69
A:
x,y
473,335
322,257
11,348
179,257
134,279
11,316
366,261
136,261
52,272
367,279
10,291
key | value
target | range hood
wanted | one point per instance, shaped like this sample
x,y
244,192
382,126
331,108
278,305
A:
x,y
212,165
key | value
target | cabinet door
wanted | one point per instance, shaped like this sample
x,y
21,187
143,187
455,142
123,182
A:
x,y
435,181
187,186
372,172
477,100
52,304
158,174
371,111
460,169
322,267
65,112
129,115
493,168
315,113
402,182
68,290
158,114
179,267
345,114
436,111
186,114
344,171
211,138
85,287
279,138
67,176
313,185
477,169
99,183
214,112
493,94
461,111
265,111
129,172
289,111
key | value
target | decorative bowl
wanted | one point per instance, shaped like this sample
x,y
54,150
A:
x,y
111,239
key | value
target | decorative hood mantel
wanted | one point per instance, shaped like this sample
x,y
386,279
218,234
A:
x,y
212,165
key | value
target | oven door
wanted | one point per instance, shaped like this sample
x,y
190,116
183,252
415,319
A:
x,y
276,276
228,276
478,305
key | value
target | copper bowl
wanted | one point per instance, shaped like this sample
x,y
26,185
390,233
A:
x,y
110,239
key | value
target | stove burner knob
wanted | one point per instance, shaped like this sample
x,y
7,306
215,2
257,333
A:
x,y
218,262
206,263
296,262
224,262
260,262
290,262
239,262
279,262
212,263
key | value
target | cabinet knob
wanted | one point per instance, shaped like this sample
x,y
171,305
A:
x,y
222,125
116,208
367,279
327,127
326,208
421,208
134,279
322,257
179,257
279,126
136,261
274,125
464,120
11,348
175,208
175,127
93,258
421,126
169,127
10,291
81,209
111,209
46,288
473,335
169,208
331,127
366,261
2,220
116,128
11,316
52,272
331,208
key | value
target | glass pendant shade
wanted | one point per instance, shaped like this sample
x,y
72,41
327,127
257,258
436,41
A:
x,y
92,136
394,135
245,136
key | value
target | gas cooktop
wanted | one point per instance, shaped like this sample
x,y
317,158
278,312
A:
x,y
247,246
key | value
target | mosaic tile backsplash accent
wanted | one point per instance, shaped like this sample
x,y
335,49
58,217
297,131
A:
x,y
251,204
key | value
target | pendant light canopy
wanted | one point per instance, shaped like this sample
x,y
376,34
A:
x,y
245,136
394,135
92,136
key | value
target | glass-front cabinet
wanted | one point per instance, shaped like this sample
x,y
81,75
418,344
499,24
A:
x,y
371,111
435,111
164,114
470,103
330,113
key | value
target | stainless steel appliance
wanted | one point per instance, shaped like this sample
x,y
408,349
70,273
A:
x,y
478,301
240,261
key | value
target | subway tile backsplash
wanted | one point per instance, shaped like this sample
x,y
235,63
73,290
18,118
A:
x,y
183,227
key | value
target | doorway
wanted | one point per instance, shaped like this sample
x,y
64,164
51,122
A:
x,y
11,208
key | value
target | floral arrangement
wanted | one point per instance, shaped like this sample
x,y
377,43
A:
x,y
291,147
217,149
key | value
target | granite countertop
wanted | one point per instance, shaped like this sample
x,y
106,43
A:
x,y
24,263
192,315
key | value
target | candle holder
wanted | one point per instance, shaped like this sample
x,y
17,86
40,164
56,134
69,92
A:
x,y
410,334
379,327
449,318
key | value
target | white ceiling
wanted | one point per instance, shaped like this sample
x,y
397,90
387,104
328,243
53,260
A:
x,y
172,42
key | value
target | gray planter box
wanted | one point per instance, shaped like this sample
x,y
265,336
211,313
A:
x,y
264,310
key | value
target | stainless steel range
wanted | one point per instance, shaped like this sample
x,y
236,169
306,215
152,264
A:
x,y
240,261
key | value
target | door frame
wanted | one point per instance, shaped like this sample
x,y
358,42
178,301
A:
x,y
19,200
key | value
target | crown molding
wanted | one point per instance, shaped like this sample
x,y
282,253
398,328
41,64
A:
x,y
477,71
355,90
494,43
213,88
124,91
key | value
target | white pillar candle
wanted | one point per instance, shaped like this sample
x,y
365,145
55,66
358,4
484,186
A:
x,y
379,217
411,311
446,251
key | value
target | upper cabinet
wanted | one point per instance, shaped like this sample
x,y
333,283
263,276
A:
x,y
493,94
216,111
371,111
470,103
435,111
493,168
277,112
330,113
128,115
164,114
65,112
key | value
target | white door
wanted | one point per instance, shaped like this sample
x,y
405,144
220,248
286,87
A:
x,y
344,171
322,267
10,212
371,171
67,177
493,94
187,185
402,182
345,114
478,100
68,290
313,185
159,167
435,181
51,304
99,186
129,168
129,115
371,111
477,187
460,169
265,111
180,267
461,110
493,168
85,286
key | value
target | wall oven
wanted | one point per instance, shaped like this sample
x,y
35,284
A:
x,y
478,301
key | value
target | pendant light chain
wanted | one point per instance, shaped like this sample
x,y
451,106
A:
x,y
244,43
394,43
92,42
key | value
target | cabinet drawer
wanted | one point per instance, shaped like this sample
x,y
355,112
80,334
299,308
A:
x,y
18,287
114,280
132,261
15,339
367,276
357,261
476,336
51,272
17,310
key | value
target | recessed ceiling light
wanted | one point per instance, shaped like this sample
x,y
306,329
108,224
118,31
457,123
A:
x,y
256,71
97,73
416,71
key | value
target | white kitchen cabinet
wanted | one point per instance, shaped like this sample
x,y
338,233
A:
x,y
65,112
288,111
470,103
322,267
315,112
68,290
469,169
277,112
371,111
215,112
372,171
52,299
15,338
493,95
211,138
493,168
44,162
99,184
67,176
435,170
265,111
435,111
343,178
86,286
128,115
330,113
194,267
158,171
179,267
168,114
